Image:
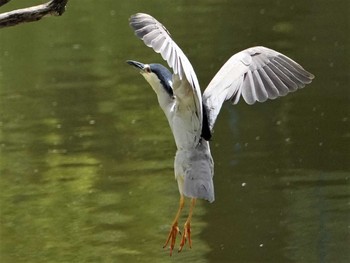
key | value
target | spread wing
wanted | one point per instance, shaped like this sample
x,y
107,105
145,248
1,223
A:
x,y
256,74
185,81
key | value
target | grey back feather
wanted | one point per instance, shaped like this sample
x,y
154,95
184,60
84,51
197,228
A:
x,y
198,177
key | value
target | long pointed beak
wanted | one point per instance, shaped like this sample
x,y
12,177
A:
x,y
136,64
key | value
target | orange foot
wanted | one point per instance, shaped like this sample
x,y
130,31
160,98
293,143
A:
x,y
172,237
186,236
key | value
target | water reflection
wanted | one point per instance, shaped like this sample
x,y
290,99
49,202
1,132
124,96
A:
x,y
317,210
87,156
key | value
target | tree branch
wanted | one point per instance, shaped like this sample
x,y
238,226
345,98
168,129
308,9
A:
x,y
2,2
31,14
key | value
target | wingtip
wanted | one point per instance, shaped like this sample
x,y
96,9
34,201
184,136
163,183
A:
x,y
138,15
132,17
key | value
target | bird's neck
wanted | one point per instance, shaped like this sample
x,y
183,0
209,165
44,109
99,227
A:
x,y
165,99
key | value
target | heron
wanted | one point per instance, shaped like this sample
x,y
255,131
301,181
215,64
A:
x,y
256,74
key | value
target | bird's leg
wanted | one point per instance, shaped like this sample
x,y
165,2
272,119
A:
x,y
187,227
174,227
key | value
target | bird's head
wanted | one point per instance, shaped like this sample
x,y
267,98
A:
x,y
144,68
155,74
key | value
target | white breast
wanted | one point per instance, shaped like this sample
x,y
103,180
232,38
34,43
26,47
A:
x,y
181,116
184,124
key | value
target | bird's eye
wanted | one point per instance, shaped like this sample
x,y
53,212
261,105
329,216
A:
x,y
148,69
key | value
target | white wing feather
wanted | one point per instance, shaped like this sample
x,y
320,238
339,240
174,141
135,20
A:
x,y
256,74
156,36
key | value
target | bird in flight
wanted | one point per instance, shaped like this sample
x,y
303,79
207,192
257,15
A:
x,y
256,74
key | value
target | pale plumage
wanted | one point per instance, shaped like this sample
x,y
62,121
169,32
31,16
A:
x,y
256,74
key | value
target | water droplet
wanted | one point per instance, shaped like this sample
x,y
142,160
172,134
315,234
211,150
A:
x,y
76,46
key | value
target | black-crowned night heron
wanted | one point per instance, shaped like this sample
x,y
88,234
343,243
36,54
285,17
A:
x,y
256,74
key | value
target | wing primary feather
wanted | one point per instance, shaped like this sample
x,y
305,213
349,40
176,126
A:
x,y
288,73
172,60
166,51
291,62
158,43
175,63
296,71
292,86
260,90
272,91
180,66
248,90
143,31
148,39
278,83
235,98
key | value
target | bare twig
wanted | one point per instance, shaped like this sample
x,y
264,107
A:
x,y
34,13
2,2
